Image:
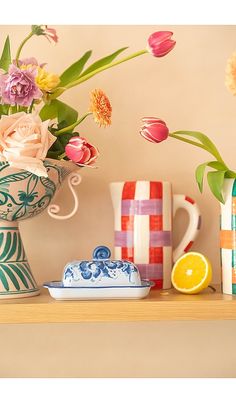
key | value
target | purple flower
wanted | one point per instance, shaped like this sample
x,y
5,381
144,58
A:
x,y
29,61
18,87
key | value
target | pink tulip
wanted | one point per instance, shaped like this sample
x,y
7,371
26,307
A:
x,y
159,43
80,151
50,33
154,130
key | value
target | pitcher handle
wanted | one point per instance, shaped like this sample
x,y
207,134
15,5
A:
x,y
188,204
73,179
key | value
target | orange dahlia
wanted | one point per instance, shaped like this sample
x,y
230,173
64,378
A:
x,y
101,107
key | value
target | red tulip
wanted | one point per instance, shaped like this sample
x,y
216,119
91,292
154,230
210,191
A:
x,y
159,43
80,151
154,130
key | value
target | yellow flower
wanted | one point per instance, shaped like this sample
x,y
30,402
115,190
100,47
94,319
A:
x,y
46,81
100,107
27,66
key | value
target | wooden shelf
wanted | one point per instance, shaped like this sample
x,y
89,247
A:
x,y
160,305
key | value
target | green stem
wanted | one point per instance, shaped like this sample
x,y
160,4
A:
x,y
31,106
215,153
231,174
11,111
21,46
71,127
188,141
108,66
93,73
61,156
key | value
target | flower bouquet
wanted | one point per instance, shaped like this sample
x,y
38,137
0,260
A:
x,y
39,141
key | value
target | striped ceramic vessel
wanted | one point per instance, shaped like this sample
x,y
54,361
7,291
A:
x,y
228,237
144,213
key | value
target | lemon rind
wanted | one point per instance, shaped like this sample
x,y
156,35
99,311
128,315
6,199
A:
x,y
204,278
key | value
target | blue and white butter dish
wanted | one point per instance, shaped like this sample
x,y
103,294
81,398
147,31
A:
x,y
100,278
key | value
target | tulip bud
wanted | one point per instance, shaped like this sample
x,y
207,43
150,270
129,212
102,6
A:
x,y
80,151
50,33
154,130
159,43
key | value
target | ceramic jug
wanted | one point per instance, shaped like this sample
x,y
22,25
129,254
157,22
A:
x,y
143,221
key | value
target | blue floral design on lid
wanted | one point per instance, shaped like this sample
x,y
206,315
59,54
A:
x,y
101,270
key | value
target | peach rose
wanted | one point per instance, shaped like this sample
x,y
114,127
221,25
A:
x,y
24,142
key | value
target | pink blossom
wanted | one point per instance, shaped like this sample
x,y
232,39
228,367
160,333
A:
x,y
80,151
30,61
50,33
18,87
154,130
159,43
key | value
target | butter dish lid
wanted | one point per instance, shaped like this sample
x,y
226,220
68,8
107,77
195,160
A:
x,y
101,270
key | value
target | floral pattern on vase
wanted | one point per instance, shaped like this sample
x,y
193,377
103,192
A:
x,y
23,195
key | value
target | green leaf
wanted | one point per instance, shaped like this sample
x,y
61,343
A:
x,y
216,165
215,181
202,138
57,92
6,55
230,174
4,109
200,171
64,139
53,154
56,147
199,175
72,73
49,111
102,62
60,111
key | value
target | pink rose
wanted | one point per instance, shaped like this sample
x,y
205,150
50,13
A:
x,y
24,142
80,151
154,130
159,43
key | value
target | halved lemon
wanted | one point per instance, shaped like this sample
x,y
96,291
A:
x,y
191,273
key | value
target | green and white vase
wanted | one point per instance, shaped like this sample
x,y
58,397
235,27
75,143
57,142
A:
x,y
24,195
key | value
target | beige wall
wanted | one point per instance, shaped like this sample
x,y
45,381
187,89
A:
x,y
186,89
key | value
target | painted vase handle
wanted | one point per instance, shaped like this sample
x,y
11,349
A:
x,y
73,179
188,204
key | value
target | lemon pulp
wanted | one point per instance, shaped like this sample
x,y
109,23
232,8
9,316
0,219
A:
x,y
191,273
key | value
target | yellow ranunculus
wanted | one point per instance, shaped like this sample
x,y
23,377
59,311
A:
x,y
46,81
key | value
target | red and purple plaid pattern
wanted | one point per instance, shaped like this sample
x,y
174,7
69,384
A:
x,y
153,269
143,227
